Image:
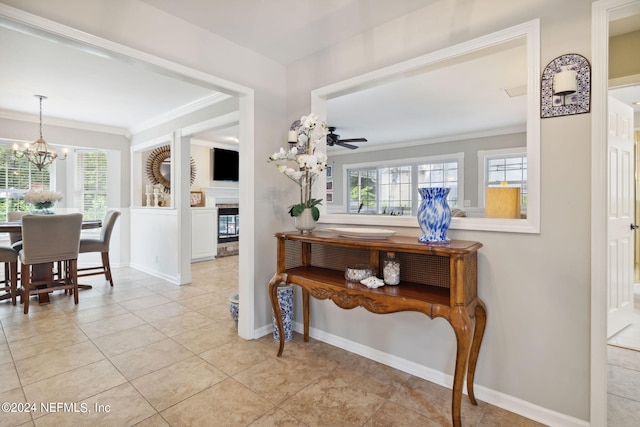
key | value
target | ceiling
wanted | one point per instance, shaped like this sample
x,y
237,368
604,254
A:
x,y
287,30
89,87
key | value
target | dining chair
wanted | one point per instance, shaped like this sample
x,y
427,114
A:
x,y
47,239
15,238
100,245
9,257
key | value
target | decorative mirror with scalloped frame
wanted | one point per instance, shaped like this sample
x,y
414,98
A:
x,y
159,168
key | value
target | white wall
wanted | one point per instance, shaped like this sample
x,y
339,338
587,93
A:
x,y
202,157
536,287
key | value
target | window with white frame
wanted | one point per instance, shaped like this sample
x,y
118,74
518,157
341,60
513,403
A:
x,y
441,174
363,190
17,176
91,183
504,168
380,188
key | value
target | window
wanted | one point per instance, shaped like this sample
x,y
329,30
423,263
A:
x,y
363,189
392,190
17,176
440,174
91,183
506,167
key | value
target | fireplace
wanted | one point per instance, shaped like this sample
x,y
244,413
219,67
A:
x,y
228,224
228,230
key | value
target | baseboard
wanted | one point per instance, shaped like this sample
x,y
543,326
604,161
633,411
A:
x,y
170,279
496,398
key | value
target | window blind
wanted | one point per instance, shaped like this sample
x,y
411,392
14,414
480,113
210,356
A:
x,y
17,176
91,183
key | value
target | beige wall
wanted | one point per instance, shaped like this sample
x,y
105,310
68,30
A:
x,y
536,287
621,63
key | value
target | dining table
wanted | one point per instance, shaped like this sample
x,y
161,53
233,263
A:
x,y
44,271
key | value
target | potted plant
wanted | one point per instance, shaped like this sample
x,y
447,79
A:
x,y
303,162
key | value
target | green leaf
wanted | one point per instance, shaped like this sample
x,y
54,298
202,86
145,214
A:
x,y
315,212
296,210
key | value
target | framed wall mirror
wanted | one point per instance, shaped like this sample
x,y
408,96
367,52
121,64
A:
x,y
158,167
466,117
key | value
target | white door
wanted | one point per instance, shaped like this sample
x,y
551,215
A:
x,y
620,202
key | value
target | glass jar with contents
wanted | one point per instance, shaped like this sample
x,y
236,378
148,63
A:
x,y
391,269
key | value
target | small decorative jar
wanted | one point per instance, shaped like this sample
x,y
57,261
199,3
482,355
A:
x,y
391,269
358,272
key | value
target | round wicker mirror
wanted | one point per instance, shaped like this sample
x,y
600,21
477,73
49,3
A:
x,y
159,167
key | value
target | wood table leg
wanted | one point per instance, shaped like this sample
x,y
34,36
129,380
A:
x,y
305,313
478,333
42,272
461,324
275,306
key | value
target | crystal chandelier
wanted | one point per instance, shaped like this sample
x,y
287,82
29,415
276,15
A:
x,y
38,152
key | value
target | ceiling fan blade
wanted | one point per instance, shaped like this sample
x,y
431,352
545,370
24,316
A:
x,y
354,140
349,146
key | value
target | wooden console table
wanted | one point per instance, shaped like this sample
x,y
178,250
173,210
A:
x,y
437,279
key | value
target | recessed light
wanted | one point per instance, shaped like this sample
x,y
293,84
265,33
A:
x,y
636,103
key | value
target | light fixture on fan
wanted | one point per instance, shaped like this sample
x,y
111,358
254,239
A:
x,y
38,152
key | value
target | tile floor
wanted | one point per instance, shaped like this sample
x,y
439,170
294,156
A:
x,y
623,356
148,353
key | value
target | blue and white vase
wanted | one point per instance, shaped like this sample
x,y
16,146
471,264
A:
x,y
434,215
285,300
234,307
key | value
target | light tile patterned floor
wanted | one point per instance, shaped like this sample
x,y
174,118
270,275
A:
x,y
149,353
624,374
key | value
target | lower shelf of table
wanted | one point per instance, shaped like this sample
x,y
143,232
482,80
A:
x,y
405,290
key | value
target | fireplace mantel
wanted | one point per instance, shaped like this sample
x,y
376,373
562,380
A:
x,y
221,195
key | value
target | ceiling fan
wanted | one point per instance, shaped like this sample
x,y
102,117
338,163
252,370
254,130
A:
x,y
334,139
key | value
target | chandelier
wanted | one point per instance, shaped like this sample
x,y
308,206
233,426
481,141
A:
x,y
38,152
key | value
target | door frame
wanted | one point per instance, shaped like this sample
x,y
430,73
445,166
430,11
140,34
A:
x,y
602,12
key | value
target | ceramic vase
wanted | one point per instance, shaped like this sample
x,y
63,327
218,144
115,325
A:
x,y
434,215
305,221
285,300
234,307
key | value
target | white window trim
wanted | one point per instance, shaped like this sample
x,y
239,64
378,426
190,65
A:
x,y
483,155
458,157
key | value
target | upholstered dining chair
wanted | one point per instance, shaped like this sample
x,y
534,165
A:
x,y
47,239
100,245
9,257
15,238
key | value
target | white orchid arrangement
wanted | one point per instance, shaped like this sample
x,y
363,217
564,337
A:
x,y
307,160
42,199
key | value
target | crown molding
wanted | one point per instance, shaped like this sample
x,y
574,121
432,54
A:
x,y
31,118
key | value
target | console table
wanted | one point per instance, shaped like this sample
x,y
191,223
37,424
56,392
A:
x,y
437,279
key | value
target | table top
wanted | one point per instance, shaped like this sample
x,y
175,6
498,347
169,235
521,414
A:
x,y
393,243
16,226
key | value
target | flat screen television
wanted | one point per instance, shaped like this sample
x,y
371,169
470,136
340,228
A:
x,y
226,165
